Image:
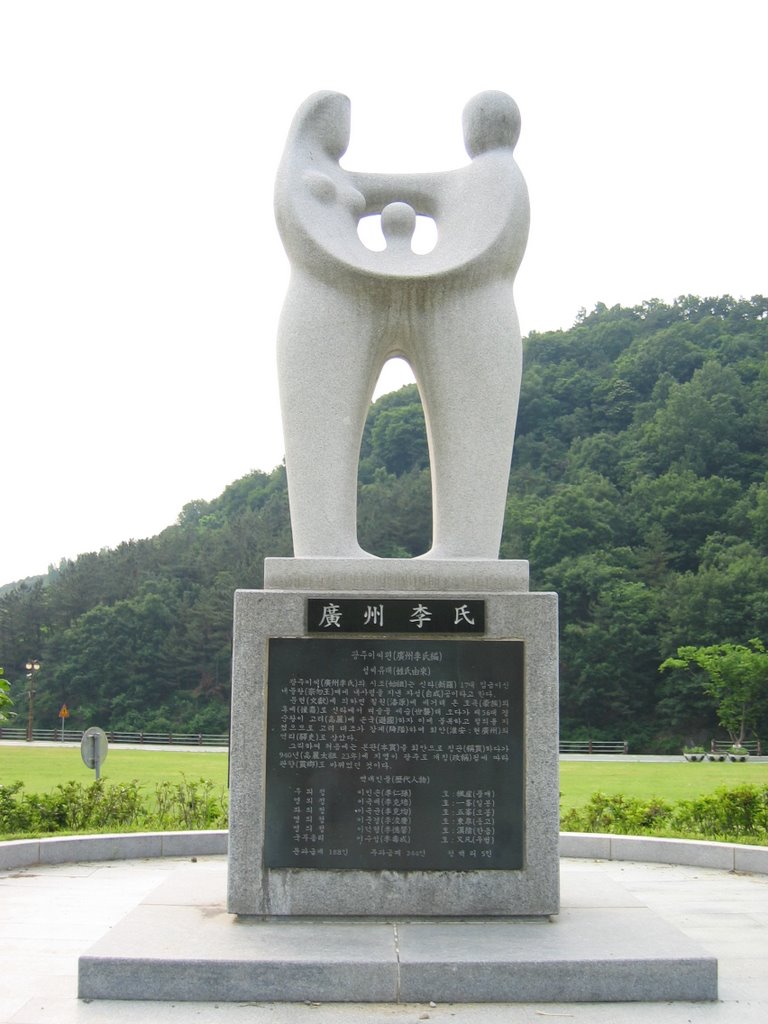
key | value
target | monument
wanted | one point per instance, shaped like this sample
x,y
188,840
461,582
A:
x,y
394,749
394,729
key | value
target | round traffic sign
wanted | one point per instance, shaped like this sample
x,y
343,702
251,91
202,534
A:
x,y
93,748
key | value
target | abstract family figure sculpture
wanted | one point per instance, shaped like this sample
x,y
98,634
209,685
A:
x,y
449,313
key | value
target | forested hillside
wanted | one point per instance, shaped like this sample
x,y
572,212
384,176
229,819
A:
x,y
639,492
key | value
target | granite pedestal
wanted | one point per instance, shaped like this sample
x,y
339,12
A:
x,y
527,761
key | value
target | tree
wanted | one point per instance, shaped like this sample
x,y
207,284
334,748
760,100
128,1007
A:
x,y
395,436
608,663
5,697
577,518
688,507
395,514
702,426
736,678
724,600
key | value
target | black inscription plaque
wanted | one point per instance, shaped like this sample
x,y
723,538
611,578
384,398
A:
x,y
394,754
331,615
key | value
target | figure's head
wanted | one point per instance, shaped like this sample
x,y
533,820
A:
x,y
491,120
324,117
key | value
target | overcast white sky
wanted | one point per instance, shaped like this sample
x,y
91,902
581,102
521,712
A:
x,y
141,275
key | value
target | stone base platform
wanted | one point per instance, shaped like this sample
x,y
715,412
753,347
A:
x,y
181,944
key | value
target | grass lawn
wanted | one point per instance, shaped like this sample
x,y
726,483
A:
x,y
667,781
42,768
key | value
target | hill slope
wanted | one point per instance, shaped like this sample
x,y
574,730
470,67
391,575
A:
x,y
638,491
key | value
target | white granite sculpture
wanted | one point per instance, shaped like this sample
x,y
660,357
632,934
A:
x,y
449,313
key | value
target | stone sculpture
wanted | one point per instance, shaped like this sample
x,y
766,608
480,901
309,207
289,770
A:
x,y
450,313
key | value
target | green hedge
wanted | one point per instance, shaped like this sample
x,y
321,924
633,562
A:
x,y
101,807
729,814
737,814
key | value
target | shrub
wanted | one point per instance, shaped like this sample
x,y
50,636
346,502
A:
x,y
738,813
189,805
102,807
618,814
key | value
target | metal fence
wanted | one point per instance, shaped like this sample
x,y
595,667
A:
x,y
723,746
201,739
594,747
197,739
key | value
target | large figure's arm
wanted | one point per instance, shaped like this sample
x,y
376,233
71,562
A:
x,y
421,191
491,121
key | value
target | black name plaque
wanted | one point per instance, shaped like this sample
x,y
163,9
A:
x,y
394,754
394,615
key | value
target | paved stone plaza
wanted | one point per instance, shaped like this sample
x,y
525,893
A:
x,y
51,914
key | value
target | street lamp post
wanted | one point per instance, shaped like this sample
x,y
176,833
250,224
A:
x,y
33,666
